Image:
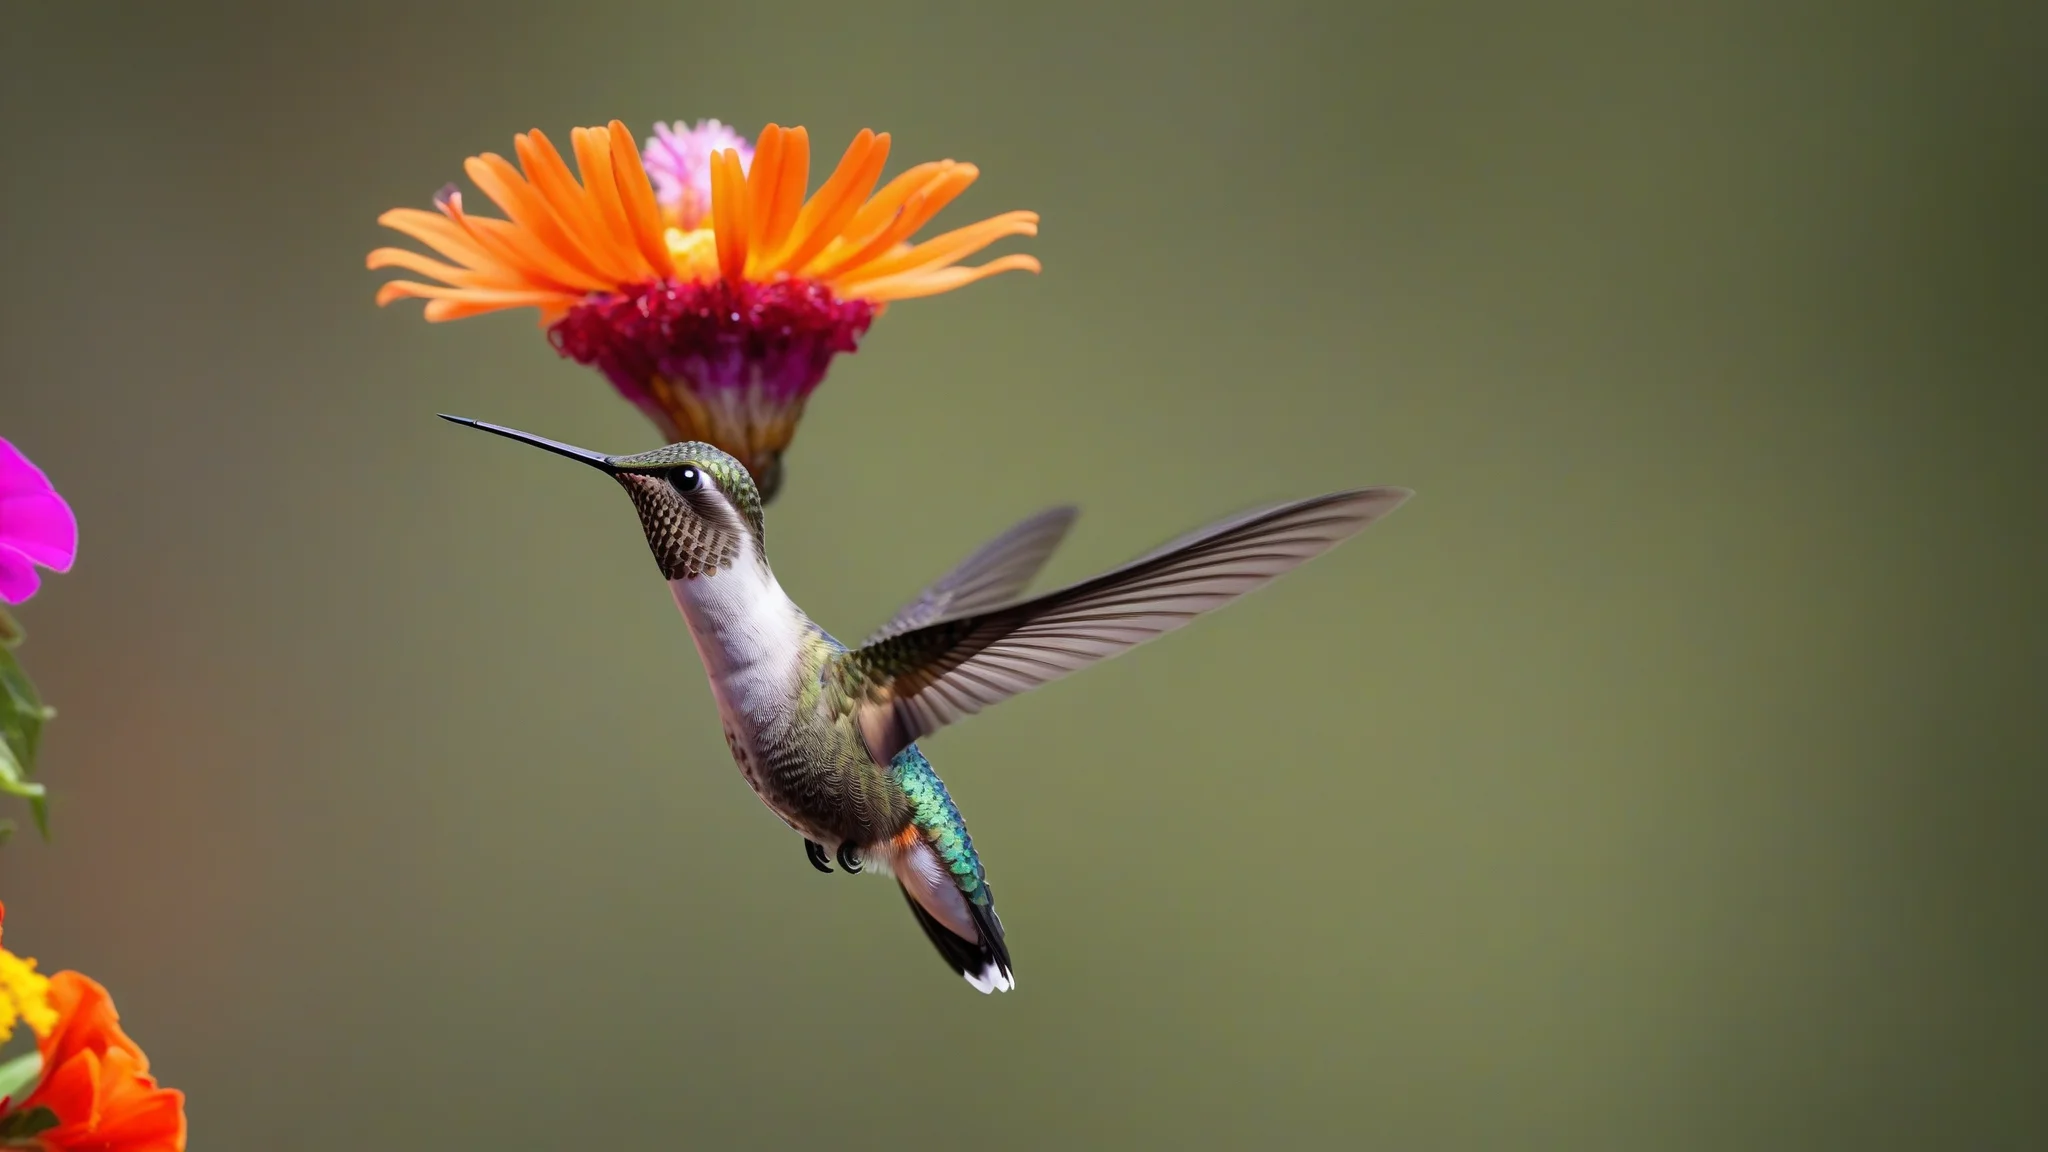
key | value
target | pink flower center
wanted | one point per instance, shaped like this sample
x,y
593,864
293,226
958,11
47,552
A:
x,y
678,160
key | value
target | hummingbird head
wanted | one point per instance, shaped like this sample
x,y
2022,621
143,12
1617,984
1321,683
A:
x,y
698,505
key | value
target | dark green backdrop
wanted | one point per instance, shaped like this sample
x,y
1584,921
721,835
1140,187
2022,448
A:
x,y
1667,775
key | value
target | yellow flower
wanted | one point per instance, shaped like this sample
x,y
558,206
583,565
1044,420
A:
x,y
24,996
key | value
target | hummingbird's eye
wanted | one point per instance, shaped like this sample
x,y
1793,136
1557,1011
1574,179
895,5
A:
x,y
685,479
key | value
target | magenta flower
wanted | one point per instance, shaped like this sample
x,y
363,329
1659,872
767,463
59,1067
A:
x,y
36,526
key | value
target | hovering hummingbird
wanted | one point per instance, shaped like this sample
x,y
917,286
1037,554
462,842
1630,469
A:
x,y
827,735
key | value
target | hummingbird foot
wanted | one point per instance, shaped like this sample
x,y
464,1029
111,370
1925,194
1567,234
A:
x,y
815,853
849,858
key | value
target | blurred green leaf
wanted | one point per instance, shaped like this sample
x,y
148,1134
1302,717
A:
x,y
19,1073
13,779
23,1125
22,716
22,712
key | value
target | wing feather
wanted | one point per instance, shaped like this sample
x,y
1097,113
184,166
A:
x,y
944,665
996,574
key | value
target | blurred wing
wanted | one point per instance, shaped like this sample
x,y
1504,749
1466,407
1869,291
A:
x,y
996,574
909,685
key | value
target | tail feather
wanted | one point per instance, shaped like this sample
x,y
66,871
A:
x,y
984,964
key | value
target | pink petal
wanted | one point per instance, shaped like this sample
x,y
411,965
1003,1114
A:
x,y
40,525
18,579
18,474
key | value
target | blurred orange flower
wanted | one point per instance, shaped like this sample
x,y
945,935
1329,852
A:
x,y
94,1092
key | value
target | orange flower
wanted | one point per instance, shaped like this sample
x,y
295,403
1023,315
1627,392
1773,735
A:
x,y
95,1093
717,325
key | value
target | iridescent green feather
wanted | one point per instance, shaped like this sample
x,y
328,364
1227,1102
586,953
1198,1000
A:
x,y
939,820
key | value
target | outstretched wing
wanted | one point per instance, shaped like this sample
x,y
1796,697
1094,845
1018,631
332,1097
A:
x,y
996,574
910,684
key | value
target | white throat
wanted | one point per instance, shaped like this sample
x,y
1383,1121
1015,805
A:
x,y
749,634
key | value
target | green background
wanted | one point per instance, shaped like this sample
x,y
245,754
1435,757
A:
x,y
1668,774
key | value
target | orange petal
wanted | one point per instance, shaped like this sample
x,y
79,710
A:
x,y
833,227
845,255
729,214
412,261
475,300
71,1087
86,1021
636,192
509,246
107,1102
573,206
936,194
953,246
762,176
530,213
438,232
130,1114
920,207
552,308
594,160
880,209
908,285
791,183
836,203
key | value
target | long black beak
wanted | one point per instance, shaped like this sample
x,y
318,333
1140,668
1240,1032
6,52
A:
x,y
596,460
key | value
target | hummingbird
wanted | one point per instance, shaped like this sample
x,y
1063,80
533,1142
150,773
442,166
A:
x,y
826,735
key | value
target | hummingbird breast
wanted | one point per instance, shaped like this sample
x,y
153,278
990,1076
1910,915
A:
x,y
760,652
